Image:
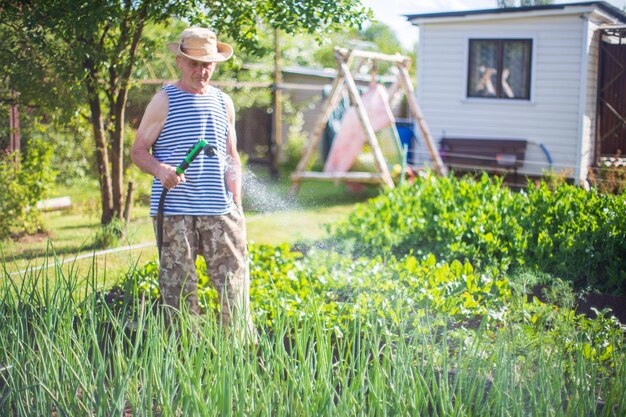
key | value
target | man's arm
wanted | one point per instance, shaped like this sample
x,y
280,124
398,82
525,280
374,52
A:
x,y
149,130
233,169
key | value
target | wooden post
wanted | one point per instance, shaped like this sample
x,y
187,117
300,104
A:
x,y
440,168
129,202
277,111
379,158
329,105
393,90
345,80
14,128
396,58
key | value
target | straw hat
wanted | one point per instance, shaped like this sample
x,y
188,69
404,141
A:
x,y
200,44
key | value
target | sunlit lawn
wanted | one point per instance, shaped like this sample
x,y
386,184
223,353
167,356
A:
x,y
273,217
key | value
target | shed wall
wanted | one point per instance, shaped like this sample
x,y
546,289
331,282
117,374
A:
x,y
590,105
551,117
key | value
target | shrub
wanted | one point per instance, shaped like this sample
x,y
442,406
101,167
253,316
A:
x,y
452,219
21,187
109,234
296,142
568,232
73,157
578,235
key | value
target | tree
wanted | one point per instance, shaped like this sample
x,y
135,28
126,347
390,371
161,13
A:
x,y
85,51
377,36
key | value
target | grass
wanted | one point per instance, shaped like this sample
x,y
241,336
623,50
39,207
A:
x,y
273,217
294,225
70,236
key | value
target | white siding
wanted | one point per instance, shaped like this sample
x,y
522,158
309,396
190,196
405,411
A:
x,y
590,106
550,118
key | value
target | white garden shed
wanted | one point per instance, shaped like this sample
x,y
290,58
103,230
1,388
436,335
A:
x,y
552,78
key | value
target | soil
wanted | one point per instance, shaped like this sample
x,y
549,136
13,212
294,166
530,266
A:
x,y
35,238
585,304
617,304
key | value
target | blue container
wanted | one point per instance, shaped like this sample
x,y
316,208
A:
x,y
407,137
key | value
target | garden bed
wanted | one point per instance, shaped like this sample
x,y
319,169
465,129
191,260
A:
x,y
438,319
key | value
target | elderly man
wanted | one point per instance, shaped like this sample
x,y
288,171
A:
x,y
202,213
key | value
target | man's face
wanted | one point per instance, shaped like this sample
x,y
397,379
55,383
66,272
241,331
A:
x,y
197,74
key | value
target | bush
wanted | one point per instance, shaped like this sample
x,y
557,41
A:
x,y
452,219
296,142
568,232
21,187
579,235
109,234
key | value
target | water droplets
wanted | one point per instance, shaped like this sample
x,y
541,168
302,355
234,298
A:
x,y
261,196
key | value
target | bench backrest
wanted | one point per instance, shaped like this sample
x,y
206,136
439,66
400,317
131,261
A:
x,y
466,154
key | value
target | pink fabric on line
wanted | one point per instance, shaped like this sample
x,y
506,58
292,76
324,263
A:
x,y
348,143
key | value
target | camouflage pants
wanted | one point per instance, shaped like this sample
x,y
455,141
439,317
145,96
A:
x,y
221,240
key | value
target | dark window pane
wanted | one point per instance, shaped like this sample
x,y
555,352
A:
x,y
483,68
516,69
499,68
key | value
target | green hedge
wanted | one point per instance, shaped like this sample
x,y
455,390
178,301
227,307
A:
x,y
568,232
22,186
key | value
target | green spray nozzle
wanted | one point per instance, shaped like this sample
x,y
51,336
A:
x,y
202,145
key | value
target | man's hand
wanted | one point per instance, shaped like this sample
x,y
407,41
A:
x,y
168,176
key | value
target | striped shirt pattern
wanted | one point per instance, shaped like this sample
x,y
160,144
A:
x,y
192,117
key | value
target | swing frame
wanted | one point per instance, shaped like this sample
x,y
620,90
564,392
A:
x,y
345,80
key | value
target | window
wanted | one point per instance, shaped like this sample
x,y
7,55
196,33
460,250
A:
x,y
499,68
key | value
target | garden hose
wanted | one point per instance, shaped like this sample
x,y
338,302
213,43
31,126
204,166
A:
x,y
201,146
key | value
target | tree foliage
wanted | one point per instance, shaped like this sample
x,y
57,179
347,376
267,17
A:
x,y
377,36
85,51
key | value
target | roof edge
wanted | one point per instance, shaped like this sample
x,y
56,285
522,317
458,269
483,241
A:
x,y
603,5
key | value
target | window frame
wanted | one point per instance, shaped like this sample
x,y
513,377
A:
x,y
500,42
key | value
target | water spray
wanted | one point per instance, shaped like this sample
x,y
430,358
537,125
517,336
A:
x,y
201,146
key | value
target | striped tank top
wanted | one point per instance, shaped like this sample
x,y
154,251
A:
x,y
192,117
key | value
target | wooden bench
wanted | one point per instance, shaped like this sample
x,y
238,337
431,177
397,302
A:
x,y
494,155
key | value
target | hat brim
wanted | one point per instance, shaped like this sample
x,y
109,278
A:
x,y
224,52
